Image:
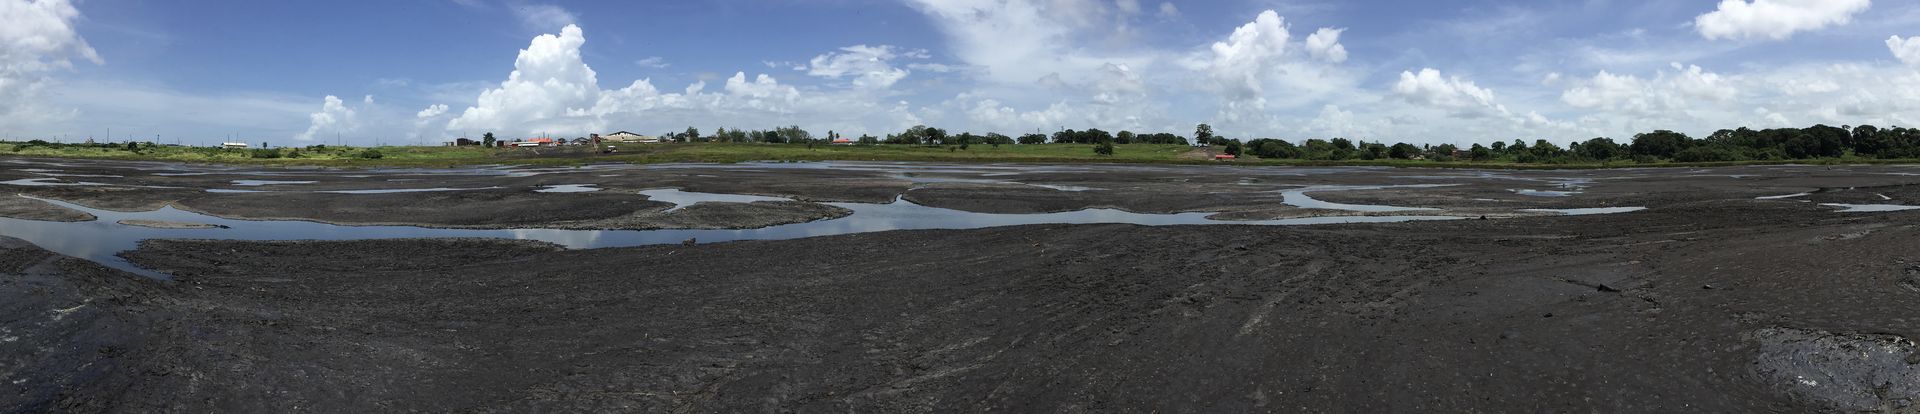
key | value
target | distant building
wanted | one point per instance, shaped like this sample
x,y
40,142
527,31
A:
x,y
582,141
842,141
538,142
235,145
624,136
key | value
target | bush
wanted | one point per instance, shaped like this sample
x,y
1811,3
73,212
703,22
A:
x,y
266,153
371,154
1105,148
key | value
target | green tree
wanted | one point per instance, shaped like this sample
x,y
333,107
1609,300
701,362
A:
x,y
487,140
1341,144
1030,139
1661,143
693,134
1203,134
1233,147
1402,151
1124,137
1105,148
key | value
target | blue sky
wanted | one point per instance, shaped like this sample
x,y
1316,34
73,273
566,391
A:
x,y
297,73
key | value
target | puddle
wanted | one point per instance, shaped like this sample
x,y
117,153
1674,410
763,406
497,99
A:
x,y
50,174
100,240
1068,188
257,183
1298,198
682,199
1544,193
568,188
1585,211
1783,197
46,182
407,190
1870,208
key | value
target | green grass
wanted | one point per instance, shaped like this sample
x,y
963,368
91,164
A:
x,y
731,153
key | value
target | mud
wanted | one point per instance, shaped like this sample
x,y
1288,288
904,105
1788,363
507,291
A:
x,y
1708,301
31,209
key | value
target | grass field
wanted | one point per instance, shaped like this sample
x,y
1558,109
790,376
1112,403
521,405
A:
x,y
732,152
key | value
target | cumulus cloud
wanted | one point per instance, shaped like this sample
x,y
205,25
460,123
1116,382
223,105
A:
x,y
1168,10
869,66
1240,63
553,90
1907,50
334,117
1775,19
37,39
1454,94
1325,45
1669,93
549,82
434,110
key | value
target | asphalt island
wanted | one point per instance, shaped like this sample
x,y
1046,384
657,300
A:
x,y
915,287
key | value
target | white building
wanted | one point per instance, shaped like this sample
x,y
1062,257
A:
x,y
239,145
624,136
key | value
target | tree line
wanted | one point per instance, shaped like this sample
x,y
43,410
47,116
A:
x,y
1742,144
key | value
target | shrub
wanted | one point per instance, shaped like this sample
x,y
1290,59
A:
x,y
371,154
1105,148
266,153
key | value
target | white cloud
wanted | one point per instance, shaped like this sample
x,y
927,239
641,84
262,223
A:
x,y
432,111
549,82
868,66
553,90
1668,94
545,16
37,38
1454,94
1240,64
1325,45
1020,42
653,62
1168,10
1775,19
334,117
1907,50
1129,7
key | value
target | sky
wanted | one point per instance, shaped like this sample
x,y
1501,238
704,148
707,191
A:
x,y
1424,72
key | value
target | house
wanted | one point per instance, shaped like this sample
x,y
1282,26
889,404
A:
x,y
1224,157
842,141
464,142
624,136
233,145
538,142
582,141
